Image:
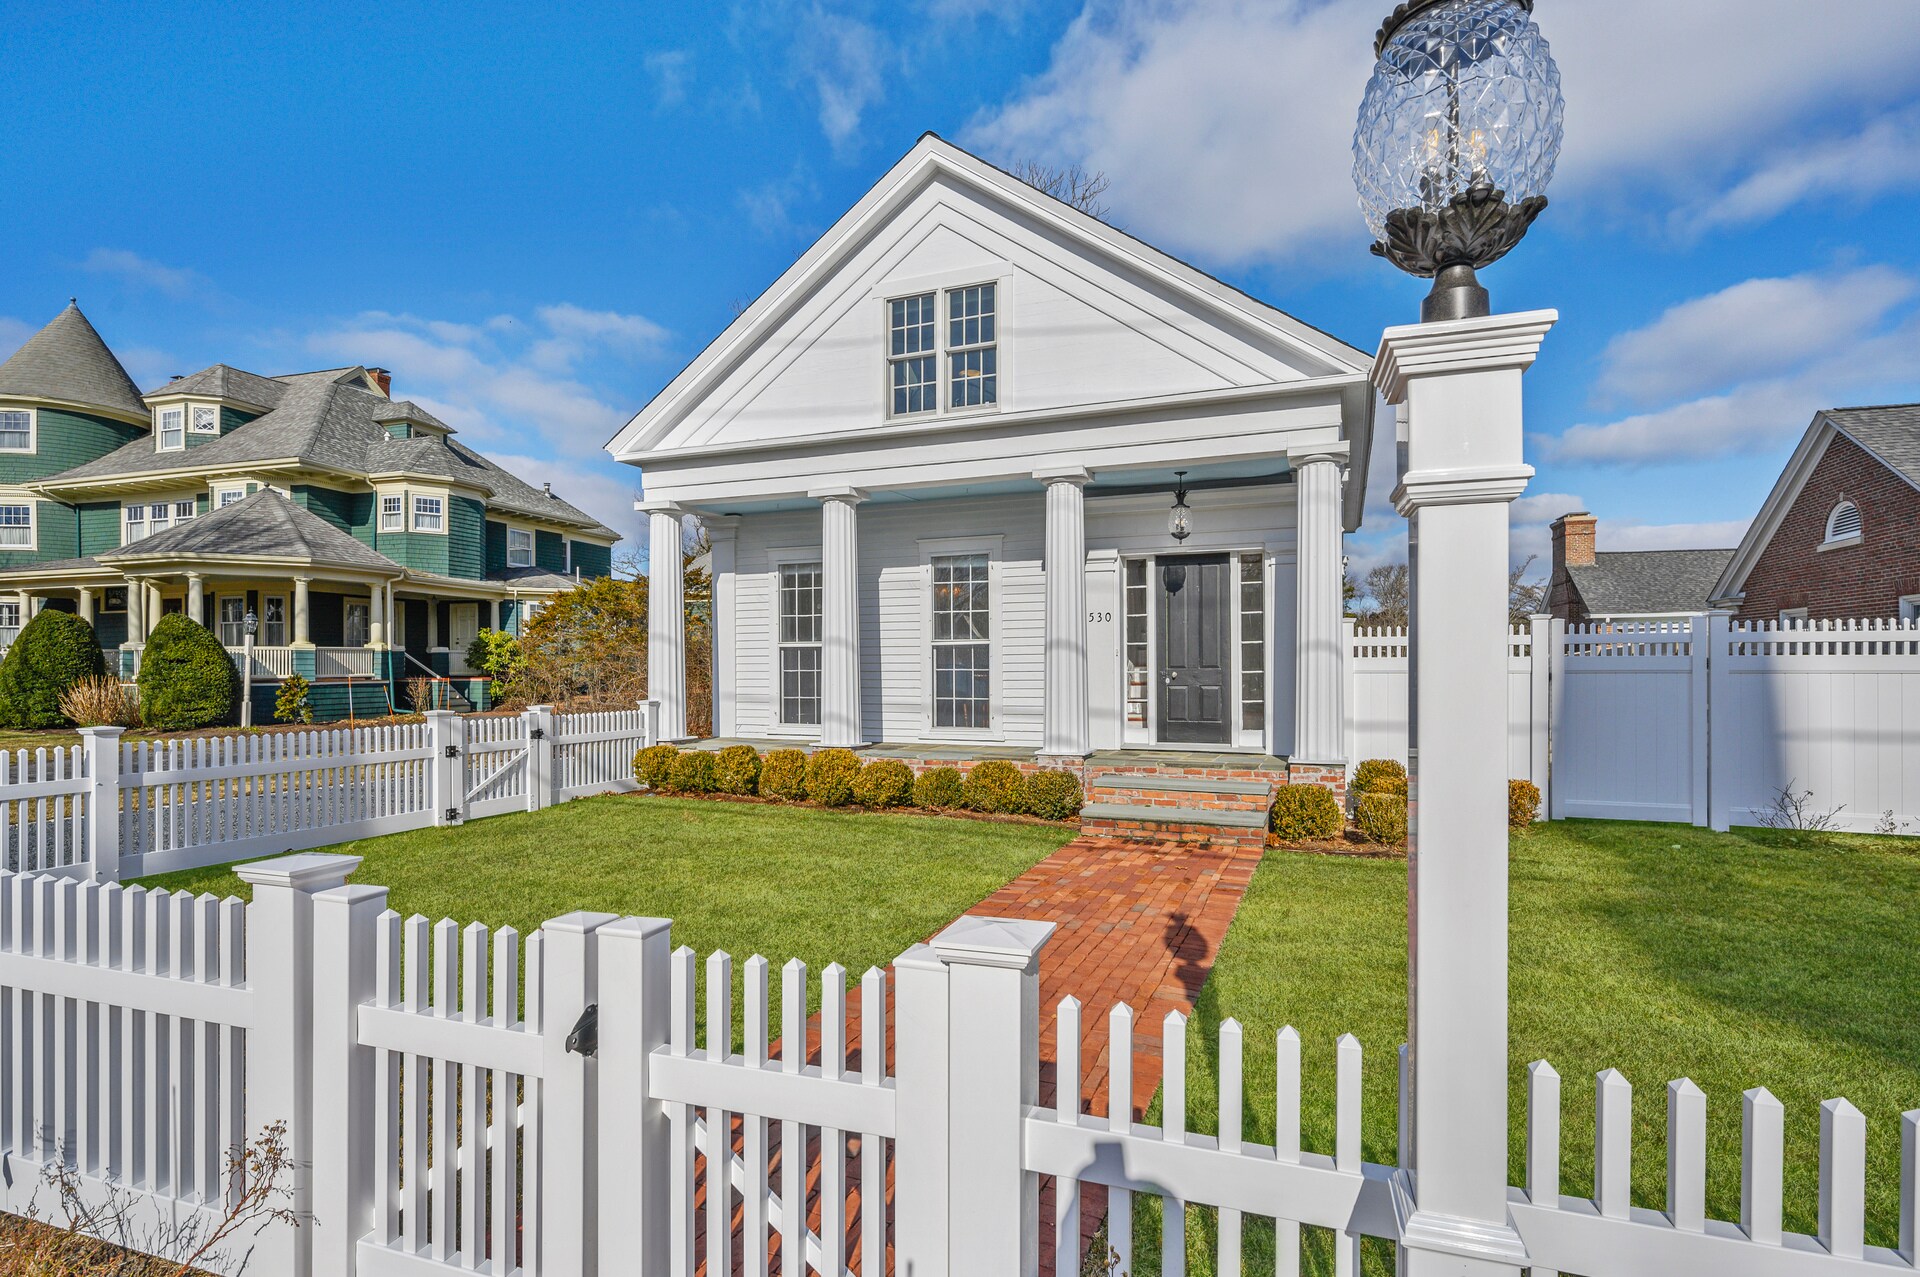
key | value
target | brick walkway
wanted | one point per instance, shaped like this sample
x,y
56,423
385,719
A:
x,y
1135,923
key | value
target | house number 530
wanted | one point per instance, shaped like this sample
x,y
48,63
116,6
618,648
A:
x,y
1099,618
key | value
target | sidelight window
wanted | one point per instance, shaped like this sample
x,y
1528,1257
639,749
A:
x,y
962,655
1253,643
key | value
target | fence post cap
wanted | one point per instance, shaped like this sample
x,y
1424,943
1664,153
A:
x,y
106,733
309,871
640,927
992,942
350,894
581,920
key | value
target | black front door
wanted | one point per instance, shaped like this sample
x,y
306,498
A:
x,y
1196,659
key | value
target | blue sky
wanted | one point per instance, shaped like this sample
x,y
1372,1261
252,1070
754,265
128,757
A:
x,y
535,215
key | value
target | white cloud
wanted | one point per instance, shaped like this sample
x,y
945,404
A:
x,y
1224,124
845,61
672,70
1752,328
1884,156
1543,507
578,332
1628,535
172,281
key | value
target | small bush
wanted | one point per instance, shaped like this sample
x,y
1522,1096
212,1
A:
x,y
290,704
783,775
187,680
1306,811
1382,817
652,764
421,695
1380,776
994,785
736,770
51,653
884,782
1051,795
830,775
1523,803
691,773
940,789
100,701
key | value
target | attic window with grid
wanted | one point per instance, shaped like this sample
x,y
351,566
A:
x,y
960,355
1843,525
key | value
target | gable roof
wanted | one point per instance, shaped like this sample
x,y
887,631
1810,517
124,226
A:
x,y
264,525
1890,433
1626,582
224,382
67,362
409,411
931,158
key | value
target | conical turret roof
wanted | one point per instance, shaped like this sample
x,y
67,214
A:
x,y
66,362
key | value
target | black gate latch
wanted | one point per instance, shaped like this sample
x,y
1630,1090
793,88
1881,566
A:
x,y
585,1037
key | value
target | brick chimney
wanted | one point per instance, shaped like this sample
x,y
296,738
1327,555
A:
x,y
1573,541
382,379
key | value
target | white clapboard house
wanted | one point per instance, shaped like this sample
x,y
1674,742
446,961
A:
x,y
939,460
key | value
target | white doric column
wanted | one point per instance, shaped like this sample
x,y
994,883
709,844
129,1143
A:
x,y
666,617
86,603
136,611
839,615
377,615
1460,382
1065,727
1319,714
301,613
153,608
196,599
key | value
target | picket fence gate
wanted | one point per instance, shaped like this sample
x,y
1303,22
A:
x,y
1701,719
109,809
441,1119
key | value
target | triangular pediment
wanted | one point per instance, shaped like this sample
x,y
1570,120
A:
x,y
1087,315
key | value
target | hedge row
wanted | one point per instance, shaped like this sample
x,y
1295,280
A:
x,y
837,778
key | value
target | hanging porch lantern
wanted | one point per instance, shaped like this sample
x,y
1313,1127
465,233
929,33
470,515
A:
x,y
1180,518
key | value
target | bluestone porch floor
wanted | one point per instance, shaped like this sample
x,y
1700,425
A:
x,y
1135,922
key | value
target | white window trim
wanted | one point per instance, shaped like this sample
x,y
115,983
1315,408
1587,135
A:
x,y
1831,542
399,516
1793,616
778,558
286,619
365,601
33,431
219,620
994,548
160,430
1000,275
193,429
218,498
533,542
1910,607
33,523
413,513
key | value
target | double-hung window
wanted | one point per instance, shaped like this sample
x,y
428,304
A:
x,y
16,430
233,620
428,514
356,622
800,604
206,419
228,496
966,345
173,429
136,523
393,514
519,548
9,617
16,526
184,510
962,655
273,620
159,517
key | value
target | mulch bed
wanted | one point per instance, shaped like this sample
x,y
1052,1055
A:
x,y
1350,843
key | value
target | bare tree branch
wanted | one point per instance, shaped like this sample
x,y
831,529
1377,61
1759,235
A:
x,y
1072,185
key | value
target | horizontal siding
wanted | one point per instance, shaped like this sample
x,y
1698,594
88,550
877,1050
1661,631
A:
x,y
56,530
99,526
466,538
64,440
592,560
550,551
350,512
496,546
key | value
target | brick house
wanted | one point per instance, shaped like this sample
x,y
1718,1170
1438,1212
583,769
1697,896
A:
x,y
1839,535
1589,585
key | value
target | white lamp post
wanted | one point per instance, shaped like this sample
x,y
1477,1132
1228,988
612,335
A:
x,y
251,627
1455,144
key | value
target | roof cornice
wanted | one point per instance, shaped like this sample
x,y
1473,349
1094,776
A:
x,y
91,409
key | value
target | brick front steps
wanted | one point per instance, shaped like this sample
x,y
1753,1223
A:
x,y
1225,812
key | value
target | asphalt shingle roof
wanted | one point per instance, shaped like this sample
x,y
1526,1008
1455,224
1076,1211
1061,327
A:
x,y
532,579
223,382
426,455
1624,582
1891,433
265,523
67,361
408,410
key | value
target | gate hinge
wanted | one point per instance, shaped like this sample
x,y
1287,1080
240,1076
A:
x,y
538,733
453,751
585,1037
453,814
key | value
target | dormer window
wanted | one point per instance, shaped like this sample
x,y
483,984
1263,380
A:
x,y
519,548
955,329
1843,524
206,419
173,429
16,430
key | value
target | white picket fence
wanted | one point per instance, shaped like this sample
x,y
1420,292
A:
x,y
182,804
441,1122
1698,719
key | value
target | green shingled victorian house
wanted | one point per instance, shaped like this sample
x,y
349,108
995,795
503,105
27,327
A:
x,y
370,545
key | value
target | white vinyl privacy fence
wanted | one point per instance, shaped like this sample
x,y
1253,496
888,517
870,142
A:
x,y
109,809
449,1108
1697,719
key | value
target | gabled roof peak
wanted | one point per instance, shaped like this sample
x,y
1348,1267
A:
x,y
67,362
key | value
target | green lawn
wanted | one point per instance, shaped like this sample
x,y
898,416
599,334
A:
x,y
786,882
1739,960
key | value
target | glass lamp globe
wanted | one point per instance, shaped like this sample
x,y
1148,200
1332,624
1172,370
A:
x,y
1456,141
1180,518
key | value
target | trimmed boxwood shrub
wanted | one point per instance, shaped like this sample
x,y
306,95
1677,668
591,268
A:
x,y
1051,795
939,789
736,770
783,774
652,764
692,772
1380,776
187,679
1382,817
884,782
830,775
1306,811
993,786
1523,803
51,653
